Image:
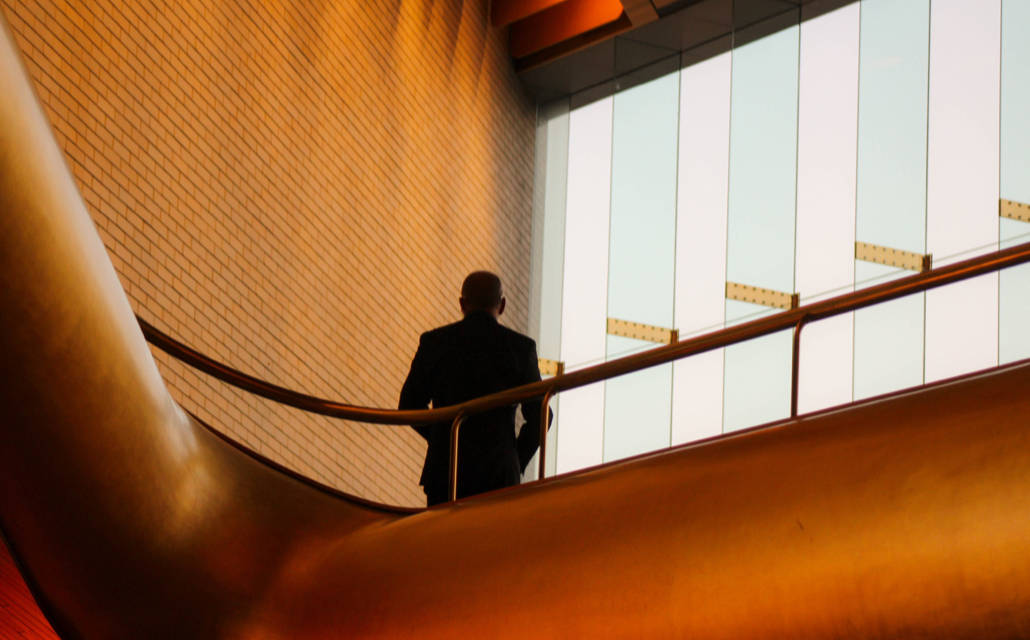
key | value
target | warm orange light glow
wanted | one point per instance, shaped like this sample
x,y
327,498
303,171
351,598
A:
x,y
505,12
561,22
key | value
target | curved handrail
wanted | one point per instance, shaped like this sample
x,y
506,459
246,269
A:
x,y
282,395
916,283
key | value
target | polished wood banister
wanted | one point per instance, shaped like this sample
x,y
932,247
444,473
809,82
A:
x,y
661,355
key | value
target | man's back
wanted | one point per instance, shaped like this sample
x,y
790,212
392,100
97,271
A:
x,y
465,360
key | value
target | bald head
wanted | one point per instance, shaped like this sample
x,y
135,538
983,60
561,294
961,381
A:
x,y
482,291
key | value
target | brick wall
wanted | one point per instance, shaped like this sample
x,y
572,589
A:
x,y
297,189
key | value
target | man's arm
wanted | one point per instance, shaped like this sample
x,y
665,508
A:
x,y
415,394
529,436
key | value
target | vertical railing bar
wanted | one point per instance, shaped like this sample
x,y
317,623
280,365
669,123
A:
x,y
453,490
795,366
544,411
545,422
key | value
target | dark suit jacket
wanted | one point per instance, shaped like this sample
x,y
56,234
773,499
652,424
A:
x,y
465,360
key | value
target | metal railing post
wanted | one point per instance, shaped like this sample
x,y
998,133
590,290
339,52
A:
x,y
453,476
794,318
544,423
795,366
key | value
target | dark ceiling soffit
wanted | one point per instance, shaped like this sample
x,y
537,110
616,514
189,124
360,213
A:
x,y
573,45
590,71
505,12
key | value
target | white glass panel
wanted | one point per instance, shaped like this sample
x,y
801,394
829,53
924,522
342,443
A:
x,y
762,206
637,406
1014,307
964,128
962,327
549,199
888,337
827,350
697,399
641,263
580,430
552,197
891,201
759,391
892,107
827,167
962,181
1013,311
701,244
763,162
1015,96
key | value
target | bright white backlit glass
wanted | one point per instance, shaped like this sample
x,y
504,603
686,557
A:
x,y
763,162
827,359
637,406
888,338
585,282
891,205
827,167
549,199
641,261
759,390
701,244
1014,285
962,327
553,236
964,128
1014,297
962,181
894,67
760,242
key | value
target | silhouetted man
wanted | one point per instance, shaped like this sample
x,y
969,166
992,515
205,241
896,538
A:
x,y
465,360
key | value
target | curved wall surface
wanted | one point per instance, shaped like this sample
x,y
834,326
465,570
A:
x,y
296,189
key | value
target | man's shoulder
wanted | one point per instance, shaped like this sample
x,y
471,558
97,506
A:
x,y
440,333
455,329
516,338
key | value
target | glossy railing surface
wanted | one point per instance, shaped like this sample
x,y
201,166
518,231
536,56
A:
x,y
789,319
795,319
902,516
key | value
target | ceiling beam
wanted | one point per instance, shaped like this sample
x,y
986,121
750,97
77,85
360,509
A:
x,y
563,21
505,12
639,12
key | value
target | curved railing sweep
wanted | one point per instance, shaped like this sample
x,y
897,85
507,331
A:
x,y
794,319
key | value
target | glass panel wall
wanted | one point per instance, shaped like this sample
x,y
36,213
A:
x,y
641,261
827,168
891,201
580,428
1014,303
704,148
962,181
893,123
760,241
548,251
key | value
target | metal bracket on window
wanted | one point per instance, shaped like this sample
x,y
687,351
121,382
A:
x,y
551,367
893,257
639,331
1014,210
764,297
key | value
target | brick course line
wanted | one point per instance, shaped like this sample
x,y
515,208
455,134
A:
x,y
297,192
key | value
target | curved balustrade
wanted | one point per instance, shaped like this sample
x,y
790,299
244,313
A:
x,y
795,318
900,516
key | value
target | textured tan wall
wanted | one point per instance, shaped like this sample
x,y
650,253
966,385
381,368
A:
x,y
296,188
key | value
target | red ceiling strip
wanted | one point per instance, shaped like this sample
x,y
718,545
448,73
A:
x,y
505,12
561,22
